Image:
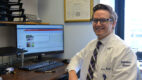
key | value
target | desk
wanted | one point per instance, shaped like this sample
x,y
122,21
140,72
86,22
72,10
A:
x,y
31,75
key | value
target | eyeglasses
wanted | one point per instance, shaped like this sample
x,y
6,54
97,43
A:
x,y
102,21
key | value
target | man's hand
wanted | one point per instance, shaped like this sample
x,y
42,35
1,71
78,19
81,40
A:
x,y
72,75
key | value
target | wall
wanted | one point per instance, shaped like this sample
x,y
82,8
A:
x,y
7,36
76,35
7,39
51,11
31,7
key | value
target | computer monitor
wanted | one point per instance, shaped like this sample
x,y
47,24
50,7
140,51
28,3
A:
x,y
40,39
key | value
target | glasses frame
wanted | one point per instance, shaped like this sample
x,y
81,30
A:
x,y
101,20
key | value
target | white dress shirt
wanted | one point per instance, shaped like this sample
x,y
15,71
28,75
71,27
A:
x,y
115,60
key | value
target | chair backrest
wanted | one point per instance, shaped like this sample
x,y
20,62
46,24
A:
x,y
139,55
139,74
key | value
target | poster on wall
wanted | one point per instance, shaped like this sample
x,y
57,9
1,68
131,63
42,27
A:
x,y
78,10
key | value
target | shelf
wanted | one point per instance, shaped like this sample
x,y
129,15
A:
x,y
7,51
12,22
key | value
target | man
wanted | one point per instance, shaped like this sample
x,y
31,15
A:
x,y
112,59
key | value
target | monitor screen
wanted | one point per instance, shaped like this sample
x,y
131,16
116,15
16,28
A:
x,y
40,38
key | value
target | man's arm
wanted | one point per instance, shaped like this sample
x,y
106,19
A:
x,y
73,75
76,62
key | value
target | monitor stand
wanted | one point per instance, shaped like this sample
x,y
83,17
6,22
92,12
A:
x,y
39,58
22,59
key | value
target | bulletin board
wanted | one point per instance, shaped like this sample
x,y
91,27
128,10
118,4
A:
x,y
78,10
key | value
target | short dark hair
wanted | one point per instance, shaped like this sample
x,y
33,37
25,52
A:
x,y
113,14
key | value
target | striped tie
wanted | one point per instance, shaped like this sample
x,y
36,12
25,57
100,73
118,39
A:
x,y
93,62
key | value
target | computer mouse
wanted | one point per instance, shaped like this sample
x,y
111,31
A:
x,y
66,61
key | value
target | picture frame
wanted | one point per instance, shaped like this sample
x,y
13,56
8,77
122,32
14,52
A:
x,y
78,10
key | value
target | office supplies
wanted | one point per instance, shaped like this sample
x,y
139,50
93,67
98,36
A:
x,y
52,71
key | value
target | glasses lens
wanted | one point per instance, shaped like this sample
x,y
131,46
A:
x,y
102,21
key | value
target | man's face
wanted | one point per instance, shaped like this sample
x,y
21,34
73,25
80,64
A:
x,y
102,24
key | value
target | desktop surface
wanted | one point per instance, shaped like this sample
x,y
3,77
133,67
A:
x,y
32,75
20,74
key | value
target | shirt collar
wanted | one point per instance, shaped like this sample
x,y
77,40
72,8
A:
x,y
107,38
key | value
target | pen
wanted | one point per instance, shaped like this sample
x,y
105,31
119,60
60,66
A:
x,y
50,71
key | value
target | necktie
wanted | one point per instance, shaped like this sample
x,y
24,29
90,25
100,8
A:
x,y
93,61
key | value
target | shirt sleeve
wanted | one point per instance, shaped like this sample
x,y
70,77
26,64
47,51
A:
x,y
76,62
125,67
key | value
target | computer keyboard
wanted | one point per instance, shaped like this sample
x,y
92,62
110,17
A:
x,y
35,66
49,67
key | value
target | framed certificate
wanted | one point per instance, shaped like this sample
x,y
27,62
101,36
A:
x,y
78,10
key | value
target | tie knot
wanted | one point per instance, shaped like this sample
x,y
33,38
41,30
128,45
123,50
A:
x,y
98,44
